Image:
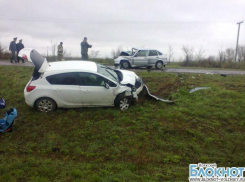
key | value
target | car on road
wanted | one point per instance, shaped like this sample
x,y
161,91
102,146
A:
x,y
141,58
74,84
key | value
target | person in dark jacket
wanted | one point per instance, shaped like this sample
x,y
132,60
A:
x,y
84,49
12,48
19,46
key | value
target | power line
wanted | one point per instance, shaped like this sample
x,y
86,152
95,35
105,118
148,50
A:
x,y
34,19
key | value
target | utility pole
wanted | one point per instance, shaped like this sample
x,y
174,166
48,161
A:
x,y
239,23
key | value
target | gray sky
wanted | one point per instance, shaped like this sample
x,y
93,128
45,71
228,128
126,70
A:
x,y
127,23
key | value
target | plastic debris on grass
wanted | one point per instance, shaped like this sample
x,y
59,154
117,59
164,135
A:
x,y
2,103
157,98
199,88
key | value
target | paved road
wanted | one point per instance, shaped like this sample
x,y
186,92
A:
x,y
7,63
168,70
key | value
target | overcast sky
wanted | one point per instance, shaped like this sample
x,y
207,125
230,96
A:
x,y
127,23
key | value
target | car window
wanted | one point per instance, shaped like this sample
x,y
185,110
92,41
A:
x,y
63,79
142,53
153,53
159,53
90,79
107,72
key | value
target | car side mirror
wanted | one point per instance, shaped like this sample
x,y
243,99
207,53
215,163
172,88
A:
x,y
107,86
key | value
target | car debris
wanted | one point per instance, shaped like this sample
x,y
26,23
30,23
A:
x,y
2,103
198,88
157,98
7,122
209,73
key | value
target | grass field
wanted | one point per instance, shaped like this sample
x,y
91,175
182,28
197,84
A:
x,y
152,141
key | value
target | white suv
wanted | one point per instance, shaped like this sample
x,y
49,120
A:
x,y
72,84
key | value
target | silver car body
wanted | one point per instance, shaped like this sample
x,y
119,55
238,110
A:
x,y
141,58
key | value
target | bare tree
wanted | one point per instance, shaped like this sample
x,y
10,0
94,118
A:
x,y
66,54
2,49
115,53
241,53
221,55
94,54
229,54
199,54
188,52
53,47
170,53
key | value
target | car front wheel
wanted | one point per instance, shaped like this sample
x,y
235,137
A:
x,y
159,65
125,65
45,105
122,102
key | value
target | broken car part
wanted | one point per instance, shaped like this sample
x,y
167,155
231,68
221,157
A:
x,y
199,88
157,98
2,103
7,122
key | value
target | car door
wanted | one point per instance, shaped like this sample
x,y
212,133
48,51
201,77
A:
x,y
140,59
94,92
65,89
152,57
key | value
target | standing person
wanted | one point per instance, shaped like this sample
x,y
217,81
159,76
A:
x,y
12,48
60,51
19,46
84,48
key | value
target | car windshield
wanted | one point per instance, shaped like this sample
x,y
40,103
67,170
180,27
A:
x,y
108,72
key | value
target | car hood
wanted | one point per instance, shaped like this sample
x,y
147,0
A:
x,y
129,77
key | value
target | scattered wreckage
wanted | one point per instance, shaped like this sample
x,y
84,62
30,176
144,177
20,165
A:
x,y
141,58
73,84
198,88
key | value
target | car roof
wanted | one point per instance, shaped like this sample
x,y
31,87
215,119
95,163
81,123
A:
x,y
72,65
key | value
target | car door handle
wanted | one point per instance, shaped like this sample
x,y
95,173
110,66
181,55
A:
x,y
157,57
86,91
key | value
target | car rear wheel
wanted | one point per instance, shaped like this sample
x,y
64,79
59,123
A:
x,y
45,105
125,65
159,65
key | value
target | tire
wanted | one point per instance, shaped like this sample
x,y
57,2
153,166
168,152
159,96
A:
x,y
122,102
159,65
45,105
125,65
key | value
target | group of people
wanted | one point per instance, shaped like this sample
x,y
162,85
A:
x,y
15,48
84,50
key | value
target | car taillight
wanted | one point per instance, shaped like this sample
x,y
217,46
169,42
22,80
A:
x,y
30,88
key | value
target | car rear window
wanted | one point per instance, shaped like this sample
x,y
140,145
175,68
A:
x,y
159,53
63,79
153,53
36,75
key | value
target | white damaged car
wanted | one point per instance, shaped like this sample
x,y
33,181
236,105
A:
x,y
74,84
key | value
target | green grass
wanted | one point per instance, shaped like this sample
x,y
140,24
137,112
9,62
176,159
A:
x,y
152,141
